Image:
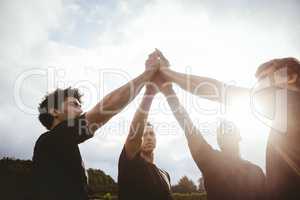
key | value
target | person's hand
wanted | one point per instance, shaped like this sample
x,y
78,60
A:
x,y
166,88
159,79
158,82
151,89
153,62
163,61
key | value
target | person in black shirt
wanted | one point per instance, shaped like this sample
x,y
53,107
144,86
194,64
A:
x,y
283,149
226,175
138,177
58,171
277,94
57,165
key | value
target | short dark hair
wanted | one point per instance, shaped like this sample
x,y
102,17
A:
x,y
55,100
292,65
149,124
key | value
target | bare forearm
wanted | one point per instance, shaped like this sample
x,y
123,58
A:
x,y
193,135
134,138
204,87
179,112
140,118
115,101
118,99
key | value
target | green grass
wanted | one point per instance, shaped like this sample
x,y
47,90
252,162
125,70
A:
x,y
177,196
191,196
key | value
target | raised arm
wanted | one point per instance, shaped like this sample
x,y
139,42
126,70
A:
x,y
115,101
197,144
134,138
204,87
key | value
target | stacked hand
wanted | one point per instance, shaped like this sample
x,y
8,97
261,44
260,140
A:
x,y
158,83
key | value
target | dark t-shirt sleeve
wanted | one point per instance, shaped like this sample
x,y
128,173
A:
x,y
169,178
124,162
128,166
260,179
77,129
127,175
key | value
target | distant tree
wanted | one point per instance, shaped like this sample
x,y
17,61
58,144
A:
x,y
201,187
100,183
107,196
16,180
184,185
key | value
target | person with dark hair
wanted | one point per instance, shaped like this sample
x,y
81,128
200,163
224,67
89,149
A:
x,y
54,101
278,93
138,177
226,175
58,170
283,149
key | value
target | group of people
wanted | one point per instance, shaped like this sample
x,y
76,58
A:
x,y
59,171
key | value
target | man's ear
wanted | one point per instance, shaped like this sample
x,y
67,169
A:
x,y
292,79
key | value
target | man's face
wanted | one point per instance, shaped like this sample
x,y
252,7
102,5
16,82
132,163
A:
x,y
71,108
269,96
275,77
149,140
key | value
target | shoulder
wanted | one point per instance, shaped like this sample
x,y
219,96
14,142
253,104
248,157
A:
x,y
210,155
43,139
48,140
124,162
78,122
253,169
124,158
167,174
73,130
251,165
42,144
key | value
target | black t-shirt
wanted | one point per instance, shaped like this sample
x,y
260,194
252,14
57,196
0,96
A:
x,y
58,170
283,155
229,179
141,180
283,166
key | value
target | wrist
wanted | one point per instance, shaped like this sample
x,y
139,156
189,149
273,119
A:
x,y
150,92
148,98
168,91
149,73
165,72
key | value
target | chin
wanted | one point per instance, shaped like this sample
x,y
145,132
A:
x,y
148,150
75,116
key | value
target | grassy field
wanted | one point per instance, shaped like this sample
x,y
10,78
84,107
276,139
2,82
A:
x,y
177,196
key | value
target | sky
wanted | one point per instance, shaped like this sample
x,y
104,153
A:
x,y
99,45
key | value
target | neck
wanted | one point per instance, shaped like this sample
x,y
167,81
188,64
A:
x,y
148,156
55,123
